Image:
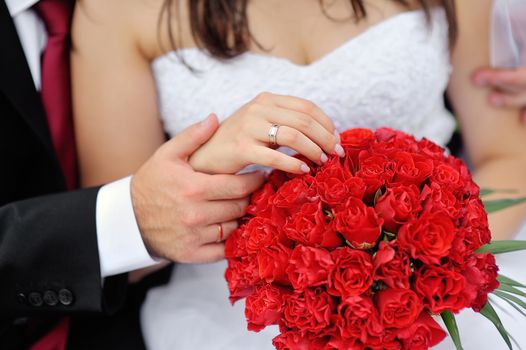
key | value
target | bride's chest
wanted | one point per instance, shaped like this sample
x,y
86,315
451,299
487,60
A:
x,y
394,74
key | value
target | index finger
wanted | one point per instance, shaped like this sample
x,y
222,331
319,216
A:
x,y
506,79
233,186
307,107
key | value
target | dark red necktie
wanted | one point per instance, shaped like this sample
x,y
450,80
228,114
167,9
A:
x,y
56,89
56,98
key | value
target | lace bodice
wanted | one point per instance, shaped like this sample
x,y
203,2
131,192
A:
x,y
394,74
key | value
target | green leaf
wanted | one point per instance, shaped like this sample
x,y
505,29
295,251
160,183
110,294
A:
x,y
488,191
452,328
500,204
499,247
511,303
511,289
489,312
511,298
506,280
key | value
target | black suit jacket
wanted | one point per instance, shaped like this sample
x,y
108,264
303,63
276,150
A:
x,y
49,263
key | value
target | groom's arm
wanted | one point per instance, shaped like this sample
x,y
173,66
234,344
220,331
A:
x,y
49,257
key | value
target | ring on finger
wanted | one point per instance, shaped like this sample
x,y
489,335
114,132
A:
x,y
220,233
272,134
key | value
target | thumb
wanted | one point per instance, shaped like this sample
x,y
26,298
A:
x,y
190,139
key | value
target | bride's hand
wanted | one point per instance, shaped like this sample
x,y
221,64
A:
x,y
243,138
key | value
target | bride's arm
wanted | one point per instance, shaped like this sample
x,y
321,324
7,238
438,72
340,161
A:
x,y
117,123
494,138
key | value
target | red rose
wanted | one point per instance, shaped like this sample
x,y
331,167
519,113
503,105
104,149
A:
x,y
272,263
291,195
351,274
263,307
358,318
334,184
310,226
392,266
423,334
468,186
357,138
260,201
447,176
241,275
309,267
308,311
481,273
260,233
292,340
430,149
337,342
375,169
389,135
398,307
354,141
428,238
441,289
359,224
475,221
398,205
236,244
438,199
411,168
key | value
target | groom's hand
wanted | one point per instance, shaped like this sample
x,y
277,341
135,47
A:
x,y
178,210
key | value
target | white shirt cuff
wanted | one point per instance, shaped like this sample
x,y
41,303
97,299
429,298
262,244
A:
x,y
121,248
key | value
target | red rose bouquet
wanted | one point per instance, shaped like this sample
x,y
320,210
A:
x,y
362,252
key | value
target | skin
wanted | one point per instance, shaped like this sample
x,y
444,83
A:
x,y
507,87
115,43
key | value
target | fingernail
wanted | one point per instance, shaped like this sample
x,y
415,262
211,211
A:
x,y
324,158
339,150
208,119
305,168
337,135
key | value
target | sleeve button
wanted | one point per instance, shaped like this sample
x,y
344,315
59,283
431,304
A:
x,y
65,297
21,298
35,299
50,298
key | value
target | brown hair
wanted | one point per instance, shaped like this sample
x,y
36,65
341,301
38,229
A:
x,y
221,26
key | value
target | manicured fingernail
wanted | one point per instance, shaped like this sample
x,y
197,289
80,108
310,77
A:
x,y
208,119
305,168
339,150
337,135
324,158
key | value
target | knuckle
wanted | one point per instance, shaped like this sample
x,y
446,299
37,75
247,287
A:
x,y
306,106
191,218
253,107
304,122
193,191
263,96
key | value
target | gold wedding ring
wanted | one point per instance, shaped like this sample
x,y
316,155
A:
x,y
219,233
272,134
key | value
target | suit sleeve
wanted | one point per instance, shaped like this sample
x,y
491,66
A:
x,y
49,261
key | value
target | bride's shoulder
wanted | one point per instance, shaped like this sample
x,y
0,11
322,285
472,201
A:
x,y
142,23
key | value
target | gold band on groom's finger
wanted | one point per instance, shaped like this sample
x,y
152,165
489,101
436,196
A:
x,y
219,233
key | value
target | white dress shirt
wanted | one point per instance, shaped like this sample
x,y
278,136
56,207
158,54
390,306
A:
x,y
120,244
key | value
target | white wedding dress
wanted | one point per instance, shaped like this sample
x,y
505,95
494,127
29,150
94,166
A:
x,y
394,74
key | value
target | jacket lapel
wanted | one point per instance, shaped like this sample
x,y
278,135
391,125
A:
x,y
16,82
